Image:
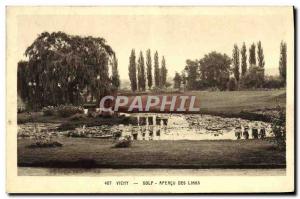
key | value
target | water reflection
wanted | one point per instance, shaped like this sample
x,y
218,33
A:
x,y
193,127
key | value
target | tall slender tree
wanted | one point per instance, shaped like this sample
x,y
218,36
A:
x,y
156,70
283,60
252,57
244,59
115,77
163,73
149,68
260,55
261,58
138,75
132,71
141,73
236,62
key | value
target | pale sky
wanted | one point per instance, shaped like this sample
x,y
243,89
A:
x,y
186,34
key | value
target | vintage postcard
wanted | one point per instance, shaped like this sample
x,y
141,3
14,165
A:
x,y
150,99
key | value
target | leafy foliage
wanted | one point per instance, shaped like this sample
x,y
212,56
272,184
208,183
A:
x,y
232,84
244,60
273,82
236,62
215,70
279,128
260,55
132,71
62,68
115,78
283,60
149,68
192,74
163,73
252,56
156,70
177,80
141,73
254,78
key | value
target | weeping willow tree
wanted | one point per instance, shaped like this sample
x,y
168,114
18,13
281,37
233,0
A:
x,y
64,69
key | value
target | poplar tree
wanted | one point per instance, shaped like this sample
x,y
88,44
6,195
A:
x,y
260,55
156,70
236,62
115,78
283,60
244,60
149,68
132,71
141,73
252,57
163,73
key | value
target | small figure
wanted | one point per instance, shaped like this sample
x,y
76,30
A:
x,y
135,135
246,133
158,132
238,132
262,133
254,133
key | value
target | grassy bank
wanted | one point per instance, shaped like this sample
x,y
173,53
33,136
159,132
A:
x,y
97,153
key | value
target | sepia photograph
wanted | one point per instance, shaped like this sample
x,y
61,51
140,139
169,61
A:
x,y
150,99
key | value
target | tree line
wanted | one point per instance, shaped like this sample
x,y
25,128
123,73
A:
x,y
141,78
66,69
219,71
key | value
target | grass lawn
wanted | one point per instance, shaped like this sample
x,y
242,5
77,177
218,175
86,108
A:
x,y
97,153
230,102
236,101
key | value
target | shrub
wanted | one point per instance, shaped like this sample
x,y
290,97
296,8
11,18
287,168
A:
x,y
273,82
254,77
124,143
279,128
48,110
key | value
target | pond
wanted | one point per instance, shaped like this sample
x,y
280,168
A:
x,y
155,126
190,127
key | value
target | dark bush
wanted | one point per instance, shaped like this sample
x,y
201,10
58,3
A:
x,y
279,128
273,82
232,84
69,110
